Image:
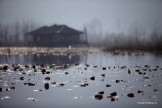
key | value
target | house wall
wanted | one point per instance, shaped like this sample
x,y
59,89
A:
x,y
55,40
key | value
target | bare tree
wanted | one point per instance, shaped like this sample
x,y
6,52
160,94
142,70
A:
x,y
4,33
17,32
94,32
27,26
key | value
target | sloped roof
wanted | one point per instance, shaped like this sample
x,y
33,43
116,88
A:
x,y
54,29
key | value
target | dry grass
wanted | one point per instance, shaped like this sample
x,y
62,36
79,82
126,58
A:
x,y
56,51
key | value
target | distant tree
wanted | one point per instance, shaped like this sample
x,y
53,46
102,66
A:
x,y
156,37
17,32
94,32
4,33
27,26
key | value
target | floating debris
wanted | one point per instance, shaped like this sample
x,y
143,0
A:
x,y
144,69
149,85
61,84
5,67
47,78
139,91
80,79
146,66
130,95
26,66
101,92
154,69
155,90
123,67
140,73
37,90
92,78
43,71
5,97
31,84
32,99
84,84
21,78
103,75
113,94
107,85
34,67
113,99
76,86
146,77
95,66
47,72
66,73
7,89
117,81
137,70
5,84
98,96
1,89
85,68
23,72
53,82
69,89
87,65
103,68
129,71
76,97
46,86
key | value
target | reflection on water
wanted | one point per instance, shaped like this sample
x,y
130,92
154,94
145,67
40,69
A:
x,y
39,59
104,59
92,80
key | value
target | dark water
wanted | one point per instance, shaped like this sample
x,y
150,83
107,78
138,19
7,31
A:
x,y
92,80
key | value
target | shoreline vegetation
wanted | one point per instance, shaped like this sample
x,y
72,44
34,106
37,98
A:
x,y
48,50
74,50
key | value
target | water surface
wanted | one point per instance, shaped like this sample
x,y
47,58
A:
x,y
89,80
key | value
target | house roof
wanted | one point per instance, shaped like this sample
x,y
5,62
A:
x,y
55,29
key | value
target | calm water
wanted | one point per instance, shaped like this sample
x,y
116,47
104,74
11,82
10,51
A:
x,y
90,80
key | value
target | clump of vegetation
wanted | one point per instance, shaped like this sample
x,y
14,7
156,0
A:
x,y
132,42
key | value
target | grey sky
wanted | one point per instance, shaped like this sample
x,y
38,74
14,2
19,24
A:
x,y
113,14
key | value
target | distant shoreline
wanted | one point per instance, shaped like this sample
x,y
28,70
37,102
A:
x,y
72,51
49,50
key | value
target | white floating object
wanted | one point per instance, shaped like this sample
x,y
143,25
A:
x,y
32,99
5,84
5,97
75,86
76,97
69,89
36,90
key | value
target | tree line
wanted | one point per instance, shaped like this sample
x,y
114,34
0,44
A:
x,y
16,34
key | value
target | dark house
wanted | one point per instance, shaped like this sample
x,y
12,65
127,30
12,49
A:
x,y
56,35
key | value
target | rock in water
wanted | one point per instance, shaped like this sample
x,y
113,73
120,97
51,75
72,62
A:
x,y
130,95
0,89
92,78
101,92
5,67
98,96
103,68
46,86
47,78
113,94
107,85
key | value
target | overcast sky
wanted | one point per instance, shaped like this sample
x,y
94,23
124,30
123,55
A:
x,y
113,15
